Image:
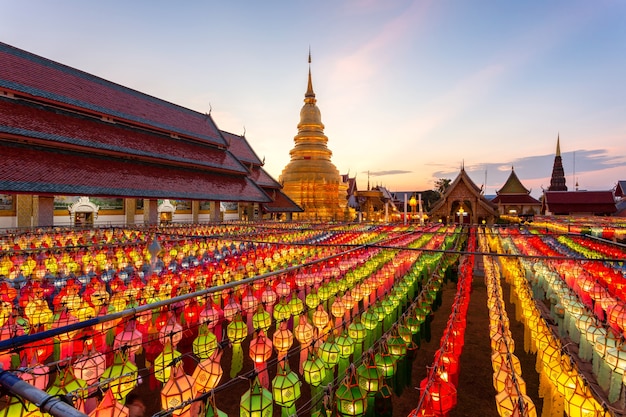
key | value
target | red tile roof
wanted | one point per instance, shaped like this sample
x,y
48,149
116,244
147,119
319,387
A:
x,y
263,179
63,129
240,147
571,202
30,75
281,203
49,171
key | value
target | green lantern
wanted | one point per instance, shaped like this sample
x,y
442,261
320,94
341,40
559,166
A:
x,y
66,382
396,345
369,376
345,344
236,332
324,292
369,319
313,370
164,362
312,300
386,363
256,402
296,305
286,388
261,320
350,397
329,352
282,310
205,344
357,331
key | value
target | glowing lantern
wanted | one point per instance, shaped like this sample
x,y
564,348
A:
x,y
38,312
256,402
130,339
386,363
351,398
205,343
286,388
442,395
320,318
260,351
329,352
396,345
178,392
338,308
261,320
171,333
282,311
237,332
345,344
297,306
164,362
231,309
369,376
509,404
283,339
109,407
208,373
304,333
314,370
210,315
581,403
90,366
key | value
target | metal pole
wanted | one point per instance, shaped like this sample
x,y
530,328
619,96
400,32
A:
x,y
47,403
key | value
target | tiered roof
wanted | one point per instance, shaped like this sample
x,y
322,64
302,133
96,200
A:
x,y
67,132
241,149
513,192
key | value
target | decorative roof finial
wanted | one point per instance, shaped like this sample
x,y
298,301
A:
x,y
558,144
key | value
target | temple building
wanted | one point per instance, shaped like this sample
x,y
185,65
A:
x,y
557,181
514,199
310,179
463,202
84,151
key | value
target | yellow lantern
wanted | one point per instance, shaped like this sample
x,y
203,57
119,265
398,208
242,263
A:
x,y
581,403
164,362
283,339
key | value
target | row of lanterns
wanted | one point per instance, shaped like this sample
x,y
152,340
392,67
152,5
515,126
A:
x,y
562,386
120,379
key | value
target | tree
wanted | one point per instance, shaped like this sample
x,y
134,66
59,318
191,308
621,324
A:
x,y
442,184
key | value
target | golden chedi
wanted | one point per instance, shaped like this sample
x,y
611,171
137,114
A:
x,y
310,178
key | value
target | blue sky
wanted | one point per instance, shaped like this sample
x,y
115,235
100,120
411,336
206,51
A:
x,y
408,90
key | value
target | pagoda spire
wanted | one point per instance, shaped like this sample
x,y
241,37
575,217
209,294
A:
x,y
557,181
309,88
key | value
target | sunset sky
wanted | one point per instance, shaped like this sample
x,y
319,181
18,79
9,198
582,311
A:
x,y
408,90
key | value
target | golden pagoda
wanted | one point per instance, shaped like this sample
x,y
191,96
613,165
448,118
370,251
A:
x,y
310,179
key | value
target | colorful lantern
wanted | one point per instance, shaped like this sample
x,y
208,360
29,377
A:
x,y
208,373
237,332
164,362
205,343
351,398
286,388
260,351
178,392
283,339
256,402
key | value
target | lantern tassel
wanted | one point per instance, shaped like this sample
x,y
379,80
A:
x,y
237,361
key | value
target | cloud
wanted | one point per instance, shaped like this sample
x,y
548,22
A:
x,y
388,172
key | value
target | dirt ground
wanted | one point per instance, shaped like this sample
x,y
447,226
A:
x,y
476,395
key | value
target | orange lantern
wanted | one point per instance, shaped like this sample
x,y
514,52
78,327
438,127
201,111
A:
x,y
178,392
208,373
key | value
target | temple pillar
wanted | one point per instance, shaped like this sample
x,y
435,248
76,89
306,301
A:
x,y
44,215
24,210
215,211
150,211
130,206
195,210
